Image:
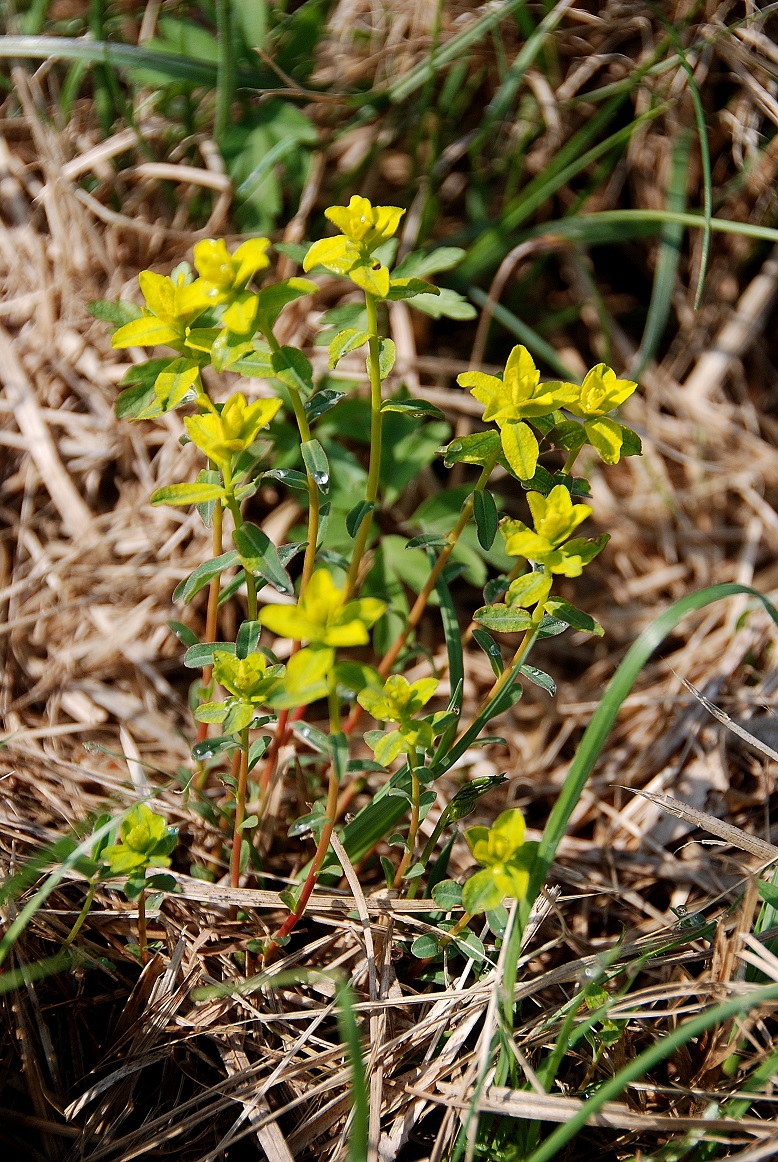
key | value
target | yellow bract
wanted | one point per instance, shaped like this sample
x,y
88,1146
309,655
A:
x,y
171,307
601,392
555,517
363,228
230,272
223,435
519,395
323,615
399,699
245,678
502,854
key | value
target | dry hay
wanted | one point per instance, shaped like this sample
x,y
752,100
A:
x,y
116,1065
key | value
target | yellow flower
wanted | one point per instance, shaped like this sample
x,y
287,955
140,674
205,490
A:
x,y
399,698
322,615
223,435
517,396
172,305
555,517
599,394
230,272
363,228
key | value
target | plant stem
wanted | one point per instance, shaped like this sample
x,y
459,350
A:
x,y
142,938
251,585
240,808
413,828
82,915
420,604
331,815
211,619
374,469
570,461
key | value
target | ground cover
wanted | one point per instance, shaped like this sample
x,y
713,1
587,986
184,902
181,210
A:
x,y
554,148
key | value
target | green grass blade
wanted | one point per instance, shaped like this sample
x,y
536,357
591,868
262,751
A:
x,y
453,634
702,136
500,104
452,50
605,716
225,75
170,65
649,1059
534,343
349,1035
492,245
667,259
612,225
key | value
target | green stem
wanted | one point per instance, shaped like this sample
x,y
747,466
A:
x,y
240,808
251,585
570,461
313,491
82,915
413,828
374,469
331,814
142,938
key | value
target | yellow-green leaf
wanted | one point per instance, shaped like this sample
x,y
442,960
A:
x,y
521,449
146,332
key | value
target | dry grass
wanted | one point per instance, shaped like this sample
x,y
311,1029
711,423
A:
x,y
107,1063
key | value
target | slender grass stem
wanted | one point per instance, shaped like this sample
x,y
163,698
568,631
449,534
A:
x,y
82,915
240,808
374,469
143,945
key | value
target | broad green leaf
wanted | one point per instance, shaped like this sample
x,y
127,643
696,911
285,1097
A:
x,y
605,436
201,655
118,313
474,449
259,556
388,747
319,404
315,460
185,635
491,649
447,895
357,515
409,288
447,304
503,619
521,449
293,369
344,342
425,947
272,299
539,678
187,494
563,611
202,576
485,513
419,264
386,355
416,408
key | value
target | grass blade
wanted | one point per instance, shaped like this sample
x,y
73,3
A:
x,y
667,260
605,716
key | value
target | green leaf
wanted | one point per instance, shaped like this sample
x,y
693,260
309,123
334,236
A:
x,y
356,515
521,449
388,747
118,313
491,649
632,445
201,655
315,460
202,576
468,944
315,739
481,893
447,895
563,611
147,331
345,342
474,449
248,639
139,402
419,264
416,408
273,298
207,476
539,678
447,304
210,747
485,513
400,289
503,618
452,633
185,635
425,947
427,541
321,403
293,369
260,557
187,494
768,892
386,356
288,476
